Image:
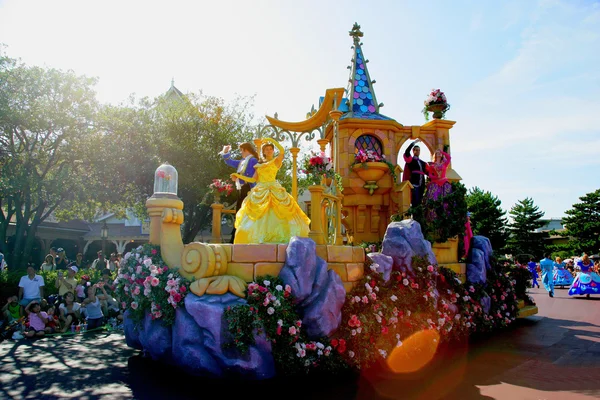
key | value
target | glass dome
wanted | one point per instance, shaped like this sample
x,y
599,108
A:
x,y
165,179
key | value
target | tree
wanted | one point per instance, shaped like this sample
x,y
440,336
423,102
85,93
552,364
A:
x,y
523,239
45,116
487,217
582,224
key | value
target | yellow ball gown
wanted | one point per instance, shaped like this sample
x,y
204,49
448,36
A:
x,y
269,214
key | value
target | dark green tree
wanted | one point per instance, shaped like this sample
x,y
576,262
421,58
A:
x,y
523,239
582,224
487,217
45,117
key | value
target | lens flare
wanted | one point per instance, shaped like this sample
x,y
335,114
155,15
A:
x,y
415,353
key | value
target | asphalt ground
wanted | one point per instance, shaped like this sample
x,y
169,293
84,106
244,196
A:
x,y
552,355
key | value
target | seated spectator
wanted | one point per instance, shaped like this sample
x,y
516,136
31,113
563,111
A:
x,y
37,320
12,310
67,284
31,287
48,264
2,262
53,324
69,312
61,260
93,308
78,262
80,288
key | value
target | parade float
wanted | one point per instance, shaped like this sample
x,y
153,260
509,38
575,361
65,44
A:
x,y
320,303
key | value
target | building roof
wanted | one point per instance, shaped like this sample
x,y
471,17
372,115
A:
x,y
115,231
362,101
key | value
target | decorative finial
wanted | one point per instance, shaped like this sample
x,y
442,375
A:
x,y
356,33
173,82
276,116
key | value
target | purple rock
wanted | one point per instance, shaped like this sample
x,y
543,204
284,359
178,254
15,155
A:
x,y
486,303
200,341
385,264
131,330
319,293
482,243
155,338
402,241
476,269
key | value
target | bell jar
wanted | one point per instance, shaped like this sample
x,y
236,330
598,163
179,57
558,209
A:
x,y
165,180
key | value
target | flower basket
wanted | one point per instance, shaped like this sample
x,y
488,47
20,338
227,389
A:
x,y
220,187
371,171
437,104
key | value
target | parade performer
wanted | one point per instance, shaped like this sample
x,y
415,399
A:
x,y
547,267
245,170
438,185
468,235
269,214
561,277
586,282
532,265
415,171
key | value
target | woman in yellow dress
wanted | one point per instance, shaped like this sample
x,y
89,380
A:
x,y
269,214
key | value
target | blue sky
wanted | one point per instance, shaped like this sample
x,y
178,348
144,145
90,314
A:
x,y
523,77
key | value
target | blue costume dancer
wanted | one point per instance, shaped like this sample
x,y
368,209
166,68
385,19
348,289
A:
x,y
534,274
244,167
586,282
562,276
547,267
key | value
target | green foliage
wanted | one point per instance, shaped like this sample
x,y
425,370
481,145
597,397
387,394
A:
x,y
487,217
582,224
522,279
526,218
270,311
451,219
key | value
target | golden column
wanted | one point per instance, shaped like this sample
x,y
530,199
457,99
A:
x,y
294,151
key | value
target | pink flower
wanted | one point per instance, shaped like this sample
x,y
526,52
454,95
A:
x,y
177,297
153,252
182,289
134,305
292,331
154,281
430,268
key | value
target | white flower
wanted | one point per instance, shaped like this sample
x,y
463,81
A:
x,y
368,287
359,330
270,310
393,297
279,287
276,303
378,318
351,354
399,343
267,283
320,345
457,317
405,282
357,299
376,288
279,322
353,332
383,353
408,313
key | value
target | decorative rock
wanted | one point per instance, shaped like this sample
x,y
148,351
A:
x,y
486,303
319,293
200,334
384,262
132,335
155,338
402,241
478,262
476,271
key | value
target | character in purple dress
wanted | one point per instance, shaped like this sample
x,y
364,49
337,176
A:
x,y
562,276
438,185
586,282
532,265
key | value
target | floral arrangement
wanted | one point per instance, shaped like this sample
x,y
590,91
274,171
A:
x,y
163,175
270,311
377,316
316,166
436,97
364,156
521,277
221,186
146,285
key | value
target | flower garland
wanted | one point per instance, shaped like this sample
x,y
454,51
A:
x,y
436,97
270,311
145,284
376,318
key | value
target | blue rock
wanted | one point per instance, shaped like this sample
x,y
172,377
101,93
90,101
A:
x,y
201,335
482,243
385,264
402,241
476,270
319,293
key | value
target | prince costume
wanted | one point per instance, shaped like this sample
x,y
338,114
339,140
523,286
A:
x,y
243,167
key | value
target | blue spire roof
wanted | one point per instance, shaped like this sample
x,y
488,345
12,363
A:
x,y
363,103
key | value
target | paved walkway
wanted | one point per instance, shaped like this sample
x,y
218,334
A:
x,y
553,355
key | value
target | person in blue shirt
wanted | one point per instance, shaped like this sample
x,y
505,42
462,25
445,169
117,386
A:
x,y
547,266
532,265
244,167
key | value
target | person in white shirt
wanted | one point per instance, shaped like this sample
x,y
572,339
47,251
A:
x,y
2,262
31,287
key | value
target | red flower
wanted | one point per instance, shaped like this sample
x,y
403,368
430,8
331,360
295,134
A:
x,y
334,343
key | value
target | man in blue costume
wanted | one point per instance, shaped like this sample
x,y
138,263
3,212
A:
x,y
532,265
245,167
415,171
547,266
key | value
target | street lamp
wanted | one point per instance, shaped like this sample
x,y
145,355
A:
x,y
104,236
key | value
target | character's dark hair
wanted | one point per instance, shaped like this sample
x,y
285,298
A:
x,y
249,148
262,151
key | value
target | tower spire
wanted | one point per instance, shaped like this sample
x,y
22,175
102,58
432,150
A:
x,y
362,95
